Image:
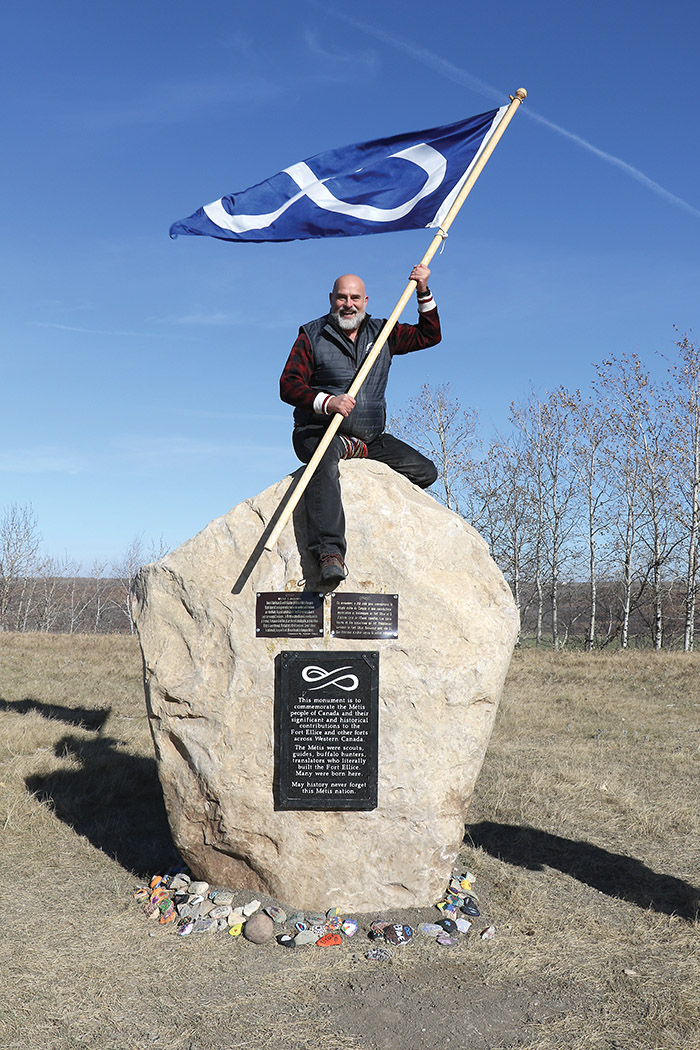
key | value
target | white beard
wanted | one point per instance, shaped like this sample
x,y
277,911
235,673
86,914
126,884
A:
x,y
349,324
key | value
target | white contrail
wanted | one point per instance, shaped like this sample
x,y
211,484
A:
x,y
460,76
635,173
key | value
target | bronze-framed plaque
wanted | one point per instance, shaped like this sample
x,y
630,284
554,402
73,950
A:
x,y
326,730
364,615
288,614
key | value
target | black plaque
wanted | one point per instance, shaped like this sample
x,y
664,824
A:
x,y
288,614
364,615
326,730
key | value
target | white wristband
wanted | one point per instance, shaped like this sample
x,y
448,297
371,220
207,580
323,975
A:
x,y
319,402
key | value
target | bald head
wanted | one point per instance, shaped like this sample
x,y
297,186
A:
x,y
349,282
348,301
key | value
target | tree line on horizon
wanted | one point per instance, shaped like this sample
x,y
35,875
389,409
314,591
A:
x,y
42,593
590,503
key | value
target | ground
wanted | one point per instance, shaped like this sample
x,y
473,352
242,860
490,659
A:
x,y
583,837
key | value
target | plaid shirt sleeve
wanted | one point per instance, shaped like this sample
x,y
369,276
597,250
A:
x,y
405,338
296,376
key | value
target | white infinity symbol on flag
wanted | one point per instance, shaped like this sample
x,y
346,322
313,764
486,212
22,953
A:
x,y
430,160
317,674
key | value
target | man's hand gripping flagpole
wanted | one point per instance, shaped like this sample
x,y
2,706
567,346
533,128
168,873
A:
x,y
519,96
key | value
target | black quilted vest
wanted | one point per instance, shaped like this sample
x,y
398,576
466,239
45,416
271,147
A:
x,y
336,362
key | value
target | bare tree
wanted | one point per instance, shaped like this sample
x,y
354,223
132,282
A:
x,y
19,547
126,568
124,571
645,421
50,595
686,456
587,456
441,429
486,508
626,467
528,422
545,427
506,511
100,585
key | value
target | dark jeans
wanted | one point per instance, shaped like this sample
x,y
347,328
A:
x,y
324,507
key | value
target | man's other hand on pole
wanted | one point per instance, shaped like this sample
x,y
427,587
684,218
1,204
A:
x,y
341,405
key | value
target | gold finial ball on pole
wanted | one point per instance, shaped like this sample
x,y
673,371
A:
x,y
520,94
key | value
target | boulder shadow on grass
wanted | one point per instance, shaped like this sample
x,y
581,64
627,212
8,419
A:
x,y
114,800
614,874
81,717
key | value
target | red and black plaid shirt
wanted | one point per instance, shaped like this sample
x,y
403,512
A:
x,y
295,381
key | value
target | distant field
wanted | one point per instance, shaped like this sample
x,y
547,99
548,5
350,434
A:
x,y
584,836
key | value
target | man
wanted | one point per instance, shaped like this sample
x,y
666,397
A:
x,y
321,366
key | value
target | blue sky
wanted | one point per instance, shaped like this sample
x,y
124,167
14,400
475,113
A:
x,y
140,374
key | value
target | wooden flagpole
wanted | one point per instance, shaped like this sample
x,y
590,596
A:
x,y
519,96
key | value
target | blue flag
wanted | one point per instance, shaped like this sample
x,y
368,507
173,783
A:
x,y
406,182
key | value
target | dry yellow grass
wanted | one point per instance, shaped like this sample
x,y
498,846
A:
x,y
583,835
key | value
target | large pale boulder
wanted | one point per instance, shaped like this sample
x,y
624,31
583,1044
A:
x,y
210,695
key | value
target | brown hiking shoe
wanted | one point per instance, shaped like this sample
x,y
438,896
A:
x,y
333,569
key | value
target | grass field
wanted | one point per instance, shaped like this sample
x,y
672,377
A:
x,y
584,836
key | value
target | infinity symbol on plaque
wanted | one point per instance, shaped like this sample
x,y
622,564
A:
x,y
317,674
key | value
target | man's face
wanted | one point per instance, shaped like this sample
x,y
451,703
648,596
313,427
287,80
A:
x,y
348,301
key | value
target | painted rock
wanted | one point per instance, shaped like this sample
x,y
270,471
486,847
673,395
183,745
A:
x,y
397,934
329,940
222,898
376,929
204,925
250,908
445,939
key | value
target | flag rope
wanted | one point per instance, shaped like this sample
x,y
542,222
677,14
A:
x,y
439,239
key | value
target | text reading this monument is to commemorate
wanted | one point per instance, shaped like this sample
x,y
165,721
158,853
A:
x,y
326,730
